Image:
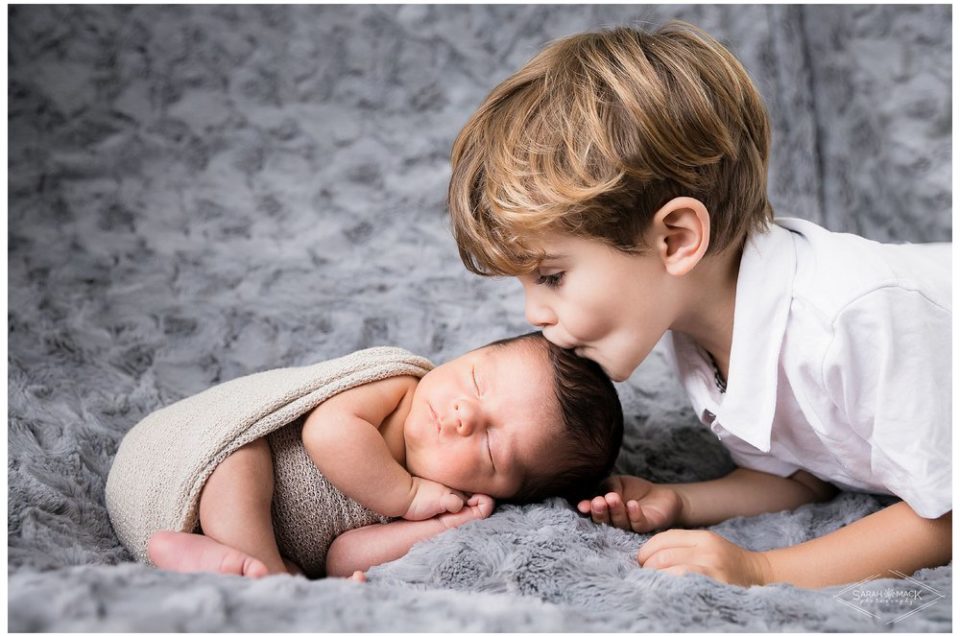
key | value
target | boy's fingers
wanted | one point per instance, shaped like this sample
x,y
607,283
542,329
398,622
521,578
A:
x,y
668,539
598,510
584,507
613,499
359,577
669,557
638,520
618,512
680,570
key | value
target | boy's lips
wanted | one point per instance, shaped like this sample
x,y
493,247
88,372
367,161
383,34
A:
x,y
563,343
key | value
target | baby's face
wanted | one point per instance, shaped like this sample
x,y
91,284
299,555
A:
x,y
483,421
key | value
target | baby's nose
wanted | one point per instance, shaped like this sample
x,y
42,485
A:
x,y
466,416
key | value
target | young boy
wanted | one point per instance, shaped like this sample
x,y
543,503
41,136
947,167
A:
x,y
621,175
517,420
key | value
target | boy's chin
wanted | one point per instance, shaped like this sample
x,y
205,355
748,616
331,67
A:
x,y
614,374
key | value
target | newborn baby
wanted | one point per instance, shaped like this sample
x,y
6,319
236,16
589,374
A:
x,y
516,420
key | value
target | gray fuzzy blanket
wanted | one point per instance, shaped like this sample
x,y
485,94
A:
x,y
200,193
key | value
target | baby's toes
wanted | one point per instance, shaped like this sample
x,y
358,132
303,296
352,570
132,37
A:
x,y
233,561
254,568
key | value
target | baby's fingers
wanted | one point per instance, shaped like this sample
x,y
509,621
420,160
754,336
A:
x,y
638,521
482,504
453,502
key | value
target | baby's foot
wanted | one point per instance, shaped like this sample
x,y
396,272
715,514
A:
x,y
186,552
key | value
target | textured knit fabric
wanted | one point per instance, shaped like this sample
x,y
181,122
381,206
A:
x,y
163,462
308,511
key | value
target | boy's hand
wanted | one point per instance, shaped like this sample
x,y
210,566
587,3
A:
x,y
680,552
431,498
634,504
478,507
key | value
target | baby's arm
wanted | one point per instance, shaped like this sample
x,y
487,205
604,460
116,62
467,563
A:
x,y
362,548
636,504
343,439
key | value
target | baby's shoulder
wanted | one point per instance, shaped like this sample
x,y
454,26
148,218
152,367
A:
x,y
390,389
394,386
372,401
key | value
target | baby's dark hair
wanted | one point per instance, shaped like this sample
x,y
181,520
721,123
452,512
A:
x,y
592,422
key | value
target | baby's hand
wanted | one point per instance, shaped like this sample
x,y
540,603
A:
x,y
478,507
634,504
431,498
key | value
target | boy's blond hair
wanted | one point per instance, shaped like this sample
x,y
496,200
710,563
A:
x,y
598,132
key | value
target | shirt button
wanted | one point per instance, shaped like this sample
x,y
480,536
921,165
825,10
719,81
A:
x,y
710,418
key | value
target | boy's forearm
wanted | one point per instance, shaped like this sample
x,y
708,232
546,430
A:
x,y
895,538
365,547
744,492
353,455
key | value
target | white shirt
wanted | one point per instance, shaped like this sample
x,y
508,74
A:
x,y
840,364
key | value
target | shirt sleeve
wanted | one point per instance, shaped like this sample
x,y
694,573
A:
x,y
888,370
746,456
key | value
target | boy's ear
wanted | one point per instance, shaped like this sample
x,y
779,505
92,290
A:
x,y
680,234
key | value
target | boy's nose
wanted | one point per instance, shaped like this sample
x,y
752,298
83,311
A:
x,y
537,313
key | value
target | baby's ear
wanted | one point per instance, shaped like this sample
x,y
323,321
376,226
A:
x,y
680,234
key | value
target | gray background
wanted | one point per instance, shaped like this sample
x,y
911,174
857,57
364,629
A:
x,y
198,193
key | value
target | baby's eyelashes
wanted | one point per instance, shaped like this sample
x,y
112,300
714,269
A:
x,y
490,452
476,385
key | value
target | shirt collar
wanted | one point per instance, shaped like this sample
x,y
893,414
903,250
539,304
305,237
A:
x,y
764,294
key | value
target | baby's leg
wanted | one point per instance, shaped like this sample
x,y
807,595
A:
x,y
235,518
235,504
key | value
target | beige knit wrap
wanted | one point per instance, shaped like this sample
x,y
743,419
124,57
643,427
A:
x,y
164,461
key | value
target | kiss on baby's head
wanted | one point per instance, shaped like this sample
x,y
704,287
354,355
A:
x,y
592,421
519,419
